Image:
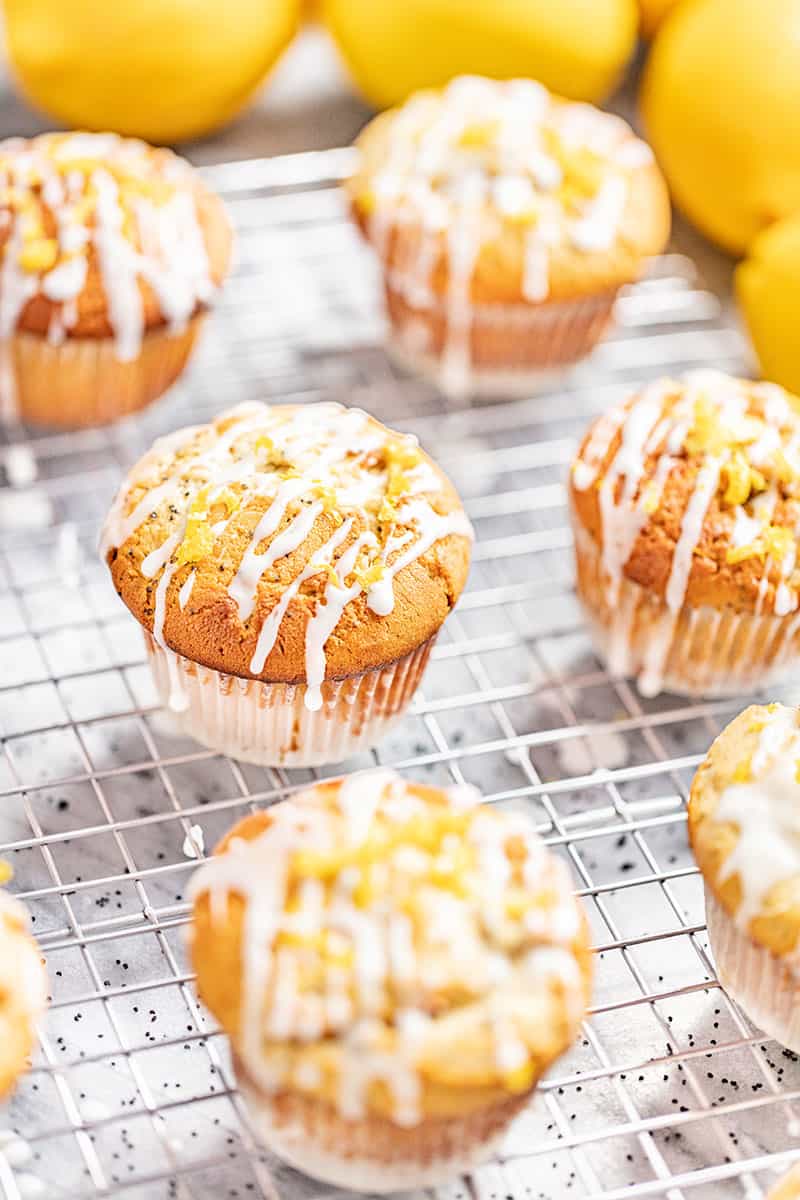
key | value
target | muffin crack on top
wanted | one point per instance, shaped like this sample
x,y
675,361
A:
x,y
296,545
686,510
506,220
109,247
401,956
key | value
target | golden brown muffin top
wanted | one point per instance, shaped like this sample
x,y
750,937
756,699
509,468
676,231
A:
x,y
23,989
692,490
391,948
787,1187
104,236
532,197
744,823
290,543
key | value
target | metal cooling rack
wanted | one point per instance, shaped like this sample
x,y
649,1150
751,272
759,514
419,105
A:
x,y
670,1092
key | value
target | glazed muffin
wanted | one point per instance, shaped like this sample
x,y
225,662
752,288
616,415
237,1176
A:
x,y
395,966
23,990
685,512
506,220
111,254
292,566
744,814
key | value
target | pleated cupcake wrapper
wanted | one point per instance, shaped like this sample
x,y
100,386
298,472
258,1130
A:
x,y
373,1154
500,349
698,651
269,724
82,382
764,985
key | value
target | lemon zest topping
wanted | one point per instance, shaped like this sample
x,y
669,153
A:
x,y
650,497
477,135
740,479
39,254
520,1079
773,540
742,772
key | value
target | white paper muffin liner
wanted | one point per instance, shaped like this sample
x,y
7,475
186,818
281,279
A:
x,y
269,724
698,651
370,1156
501,349
764,985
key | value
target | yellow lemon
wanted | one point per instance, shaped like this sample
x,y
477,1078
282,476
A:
x,y
577,48
653,13
164,70
720,103
768,288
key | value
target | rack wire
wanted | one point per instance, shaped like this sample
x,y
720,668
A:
x,y
104,808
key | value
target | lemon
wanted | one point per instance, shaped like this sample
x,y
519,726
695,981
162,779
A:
x,y
721,103
768,289
577,48
653,13
164,70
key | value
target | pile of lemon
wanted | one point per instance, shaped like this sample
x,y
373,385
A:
x,y
720,93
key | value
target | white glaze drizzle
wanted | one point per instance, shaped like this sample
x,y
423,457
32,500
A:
x,y
496,969
767,812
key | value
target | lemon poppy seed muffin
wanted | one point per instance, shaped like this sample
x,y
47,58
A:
x,y
111,252
23,990
744,828
506,220
292,566
686,510
395,966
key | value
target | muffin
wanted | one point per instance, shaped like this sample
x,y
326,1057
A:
x,y
685,512
23,990
506,220
744,815
111,254
292,566
395,966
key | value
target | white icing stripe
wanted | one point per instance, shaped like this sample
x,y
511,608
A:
x,y
766,809
622,518
326,618
431,528
272,622
160,610
705,488
184,595
253,565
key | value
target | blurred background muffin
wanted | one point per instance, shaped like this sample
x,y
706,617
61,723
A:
x,y
112,252
23,988
505,220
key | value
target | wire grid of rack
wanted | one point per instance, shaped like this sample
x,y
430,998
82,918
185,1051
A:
x,y
669,1092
